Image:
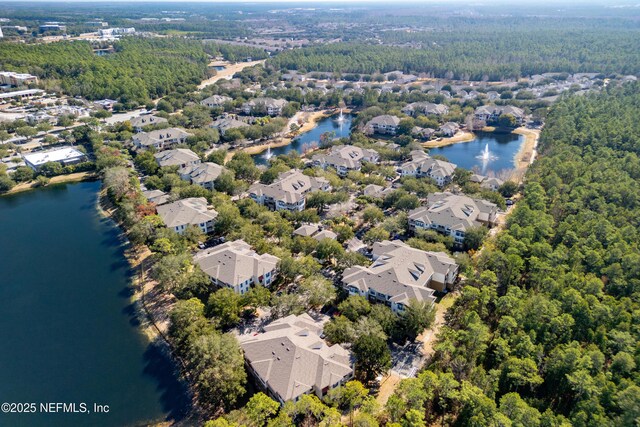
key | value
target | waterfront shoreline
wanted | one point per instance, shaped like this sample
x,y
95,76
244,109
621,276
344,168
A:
x,y
522,159
464,136
310,119
528,148
60,179
150,326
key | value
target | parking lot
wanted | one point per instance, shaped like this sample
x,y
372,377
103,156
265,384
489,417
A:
x,y
406,360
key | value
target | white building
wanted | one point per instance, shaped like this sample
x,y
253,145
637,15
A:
x,y
63,155
181,157
422,165
215,101
17,79
385,125
146,120
270,106
491,113
202,174
112,32
160,139
345,158
426,108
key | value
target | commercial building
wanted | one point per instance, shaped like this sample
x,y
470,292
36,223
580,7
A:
x,y
63,155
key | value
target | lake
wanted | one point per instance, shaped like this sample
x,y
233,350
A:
x,y
310,139
68,330
502,151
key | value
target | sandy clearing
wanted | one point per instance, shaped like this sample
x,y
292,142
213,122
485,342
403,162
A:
x,y
228,72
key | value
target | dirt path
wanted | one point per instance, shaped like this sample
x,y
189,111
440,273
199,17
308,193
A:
x,y
429,336
387,388
228,72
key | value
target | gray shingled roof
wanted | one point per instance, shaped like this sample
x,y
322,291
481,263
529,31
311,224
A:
x,y
307,230
427,108
289,187
234,262
176,157
400,271
500,109
428,165
156,196
203,172
155,136
225,123
193,210
292,359
384,120
146,120
267,102
216,100
456,211
348,156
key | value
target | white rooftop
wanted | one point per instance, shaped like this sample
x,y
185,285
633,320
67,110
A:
x,y
63,154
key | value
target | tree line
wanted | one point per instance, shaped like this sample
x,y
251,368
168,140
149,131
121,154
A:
x,y
494,55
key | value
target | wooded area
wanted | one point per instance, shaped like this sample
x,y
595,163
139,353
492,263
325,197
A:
x,y
141,68
547,332
477,55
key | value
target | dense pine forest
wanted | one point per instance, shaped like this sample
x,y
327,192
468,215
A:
x,y
547,333
477,54
139,70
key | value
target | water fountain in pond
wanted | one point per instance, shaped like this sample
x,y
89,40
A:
x,y
486,157
340,120
268,154
485,153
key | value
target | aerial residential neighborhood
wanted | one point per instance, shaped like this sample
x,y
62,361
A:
x,y
288,214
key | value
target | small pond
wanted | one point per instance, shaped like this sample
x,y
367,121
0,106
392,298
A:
x,y
310,139
488,152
